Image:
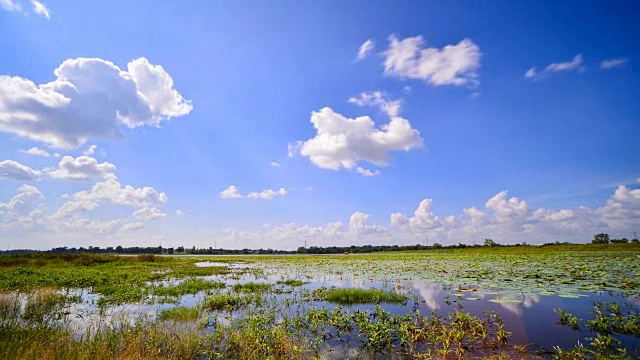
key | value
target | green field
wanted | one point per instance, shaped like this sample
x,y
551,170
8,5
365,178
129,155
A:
x,y
452,303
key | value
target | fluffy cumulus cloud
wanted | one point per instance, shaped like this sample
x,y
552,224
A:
x,y
503,218
573,65
24,208
451,65
230,193
82,168
10,169
365,49
75,215
268,194
342,142
359,224
613,63
85,212
89,99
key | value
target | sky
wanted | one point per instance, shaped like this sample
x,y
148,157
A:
x,y
268,124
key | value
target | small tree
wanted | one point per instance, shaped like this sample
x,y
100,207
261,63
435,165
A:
x,y
489,242
600,239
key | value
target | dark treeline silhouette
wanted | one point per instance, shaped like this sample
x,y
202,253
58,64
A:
x,y
211,251
598,239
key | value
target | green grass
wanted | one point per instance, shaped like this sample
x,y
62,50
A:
x,y
363,296
181,313
189,271
225,301
292,282
251,287
190,286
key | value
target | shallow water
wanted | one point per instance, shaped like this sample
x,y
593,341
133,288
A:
x,y
529,316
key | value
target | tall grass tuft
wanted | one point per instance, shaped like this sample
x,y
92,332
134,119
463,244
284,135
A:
x,y
363,296
181,313
251,287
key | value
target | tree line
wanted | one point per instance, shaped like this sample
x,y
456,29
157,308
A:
x,y
181,250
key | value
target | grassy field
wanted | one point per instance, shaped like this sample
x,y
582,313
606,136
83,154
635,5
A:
x,y
305,306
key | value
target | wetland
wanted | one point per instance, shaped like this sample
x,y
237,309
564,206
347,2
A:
x,y
557,302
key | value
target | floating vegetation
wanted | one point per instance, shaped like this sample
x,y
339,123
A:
x,y
505,300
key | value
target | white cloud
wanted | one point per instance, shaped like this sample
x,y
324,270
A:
x,y
573,65
74,214
377,99
147,214
423,216
613,63
622,209
82,212
90,98
36,152
358,221
10,5
90,151
504,219
40,9
275,164
230,193
367,172
365,49
267,194
530,73
342,142
293,148
83,168
21,207
452,65
14,170
112,191
399,219
179,213
506,209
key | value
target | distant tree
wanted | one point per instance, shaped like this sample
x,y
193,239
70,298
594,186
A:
x,y
635,241
600,239
437,246
619,241
489,242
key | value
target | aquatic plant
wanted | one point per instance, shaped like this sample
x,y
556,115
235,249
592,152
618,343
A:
x,y
362,296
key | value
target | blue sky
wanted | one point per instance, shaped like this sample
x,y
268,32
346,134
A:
x,y
265,124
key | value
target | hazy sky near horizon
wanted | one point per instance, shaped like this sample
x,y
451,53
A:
x,y
262,124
